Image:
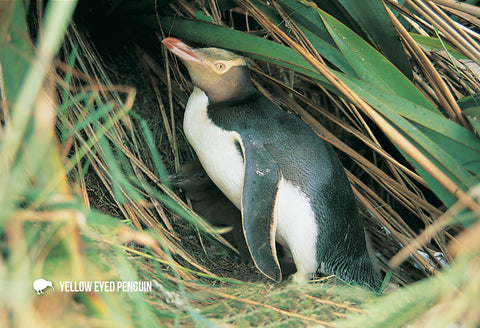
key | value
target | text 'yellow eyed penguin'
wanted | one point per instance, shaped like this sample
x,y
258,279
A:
x,y
288,183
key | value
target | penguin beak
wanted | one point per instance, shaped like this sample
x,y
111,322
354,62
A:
x,y
175,178
185,52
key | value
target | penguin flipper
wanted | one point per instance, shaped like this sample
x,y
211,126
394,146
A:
x,y
260,188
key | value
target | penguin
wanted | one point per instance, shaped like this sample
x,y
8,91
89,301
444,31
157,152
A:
x,y
288,183
209,202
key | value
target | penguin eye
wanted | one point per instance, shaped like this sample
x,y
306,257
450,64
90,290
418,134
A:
x,y
220,67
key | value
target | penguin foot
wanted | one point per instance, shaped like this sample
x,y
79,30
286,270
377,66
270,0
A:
x,y
301,277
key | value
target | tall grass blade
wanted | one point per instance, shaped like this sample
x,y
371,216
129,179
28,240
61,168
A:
x,y
370,18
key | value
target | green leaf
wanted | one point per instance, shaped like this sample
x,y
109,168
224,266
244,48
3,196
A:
x,y
312,27
218,36
434,44
103,222
370,17
302,13
471,109
92,117
200,15
469,101
152,148
370,65
473,116
121,185
385,282
16,49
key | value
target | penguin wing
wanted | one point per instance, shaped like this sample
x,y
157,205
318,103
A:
x,y
260,187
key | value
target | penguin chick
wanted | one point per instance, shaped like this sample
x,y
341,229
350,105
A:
x,y
288,183
210,203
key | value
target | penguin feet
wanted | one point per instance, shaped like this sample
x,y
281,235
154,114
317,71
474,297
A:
x,y
302,275
299,277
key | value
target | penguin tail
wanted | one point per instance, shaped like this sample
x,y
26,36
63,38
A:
x,y
356,270
369,277
363,272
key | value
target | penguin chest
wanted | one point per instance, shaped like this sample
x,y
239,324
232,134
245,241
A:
x,y
215,147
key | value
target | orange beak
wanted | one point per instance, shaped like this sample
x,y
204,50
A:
x,y
183,51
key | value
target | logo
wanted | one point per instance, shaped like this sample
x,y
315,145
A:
x,y
94,286
40,284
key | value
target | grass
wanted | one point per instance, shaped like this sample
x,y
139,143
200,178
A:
x,y
83,157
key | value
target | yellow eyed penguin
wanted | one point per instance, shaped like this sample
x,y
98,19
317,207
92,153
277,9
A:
x,y
288,183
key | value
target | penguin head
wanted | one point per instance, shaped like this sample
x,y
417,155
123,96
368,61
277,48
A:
x,y
221,74
191,178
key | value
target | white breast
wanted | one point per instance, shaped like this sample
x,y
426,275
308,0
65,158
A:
x,y
215,147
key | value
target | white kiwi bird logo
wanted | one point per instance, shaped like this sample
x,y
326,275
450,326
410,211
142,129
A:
x,y
40,284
